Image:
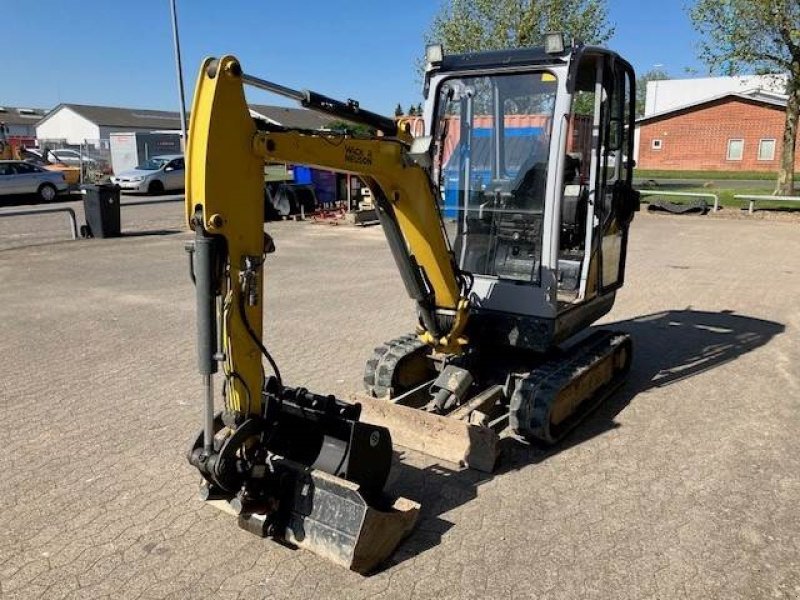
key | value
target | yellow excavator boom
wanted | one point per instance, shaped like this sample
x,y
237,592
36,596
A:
x,y
224,196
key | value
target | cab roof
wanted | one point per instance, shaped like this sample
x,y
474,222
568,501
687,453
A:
x,y
502,58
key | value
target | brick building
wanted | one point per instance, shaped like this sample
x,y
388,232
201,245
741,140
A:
x,y
731,132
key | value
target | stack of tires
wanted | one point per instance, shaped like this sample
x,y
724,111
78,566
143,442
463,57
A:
x,y
282,200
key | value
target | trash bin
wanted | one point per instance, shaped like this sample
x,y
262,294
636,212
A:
x,y
101,208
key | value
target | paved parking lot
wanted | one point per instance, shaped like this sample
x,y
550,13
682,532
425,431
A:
x,y
685,484
37,230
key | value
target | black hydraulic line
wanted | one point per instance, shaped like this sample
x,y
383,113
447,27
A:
x,y
410,272
205,258
257,341
349,111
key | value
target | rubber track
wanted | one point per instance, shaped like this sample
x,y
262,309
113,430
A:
x,y
379,370
537,391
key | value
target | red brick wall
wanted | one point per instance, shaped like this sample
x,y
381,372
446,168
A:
x,y
697,139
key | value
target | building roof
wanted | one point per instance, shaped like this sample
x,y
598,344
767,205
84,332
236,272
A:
x,y
112,116
666,94
299,118
755,95
15,115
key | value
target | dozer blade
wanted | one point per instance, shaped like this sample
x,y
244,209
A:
x,y
551,396
452,437
330,517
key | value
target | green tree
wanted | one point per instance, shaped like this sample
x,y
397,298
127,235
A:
x,y
759,35
412,111
656,74
419,109
473,25
398,111
350,128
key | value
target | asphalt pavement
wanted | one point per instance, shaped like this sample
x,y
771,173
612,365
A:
x,y
683,485
51,227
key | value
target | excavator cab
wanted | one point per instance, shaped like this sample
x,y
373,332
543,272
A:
x,y
530,160
531,156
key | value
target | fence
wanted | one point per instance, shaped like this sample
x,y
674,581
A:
x,y
753,199
93,157
73,223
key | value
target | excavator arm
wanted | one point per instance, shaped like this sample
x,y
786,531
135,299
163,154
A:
x,y
407,210
224,201
290,463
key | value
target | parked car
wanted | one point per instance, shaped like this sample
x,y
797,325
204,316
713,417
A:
x,y
72,157
32,156
20,177
156,175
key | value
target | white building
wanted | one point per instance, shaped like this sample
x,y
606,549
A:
x,y
669,94
76,123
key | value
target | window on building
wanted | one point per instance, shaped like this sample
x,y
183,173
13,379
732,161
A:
x,y
735,149
766,150
657,144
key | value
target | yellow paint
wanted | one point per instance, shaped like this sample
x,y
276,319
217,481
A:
x,y
405,184
225,182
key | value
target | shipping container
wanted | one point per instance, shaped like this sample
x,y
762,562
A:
x,y
134,148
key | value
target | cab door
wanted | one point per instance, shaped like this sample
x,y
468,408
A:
x,y
604,101
618,200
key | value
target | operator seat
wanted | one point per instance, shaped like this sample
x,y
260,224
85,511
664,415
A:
x,y
574,206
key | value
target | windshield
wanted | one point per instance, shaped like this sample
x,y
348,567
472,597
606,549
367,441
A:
x,y
154,164
493,142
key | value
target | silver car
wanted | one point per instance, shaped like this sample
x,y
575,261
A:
x,y
19,177
155,176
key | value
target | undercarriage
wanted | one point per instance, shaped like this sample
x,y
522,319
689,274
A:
x,y
468,402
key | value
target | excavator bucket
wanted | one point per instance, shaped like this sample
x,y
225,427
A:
x,y
311,475
331,518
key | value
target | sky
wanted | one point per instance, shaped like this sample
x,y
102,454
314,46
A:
x,y
120,53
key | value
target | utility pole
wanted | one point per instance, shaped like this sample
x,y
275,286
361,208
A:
x,y
179,69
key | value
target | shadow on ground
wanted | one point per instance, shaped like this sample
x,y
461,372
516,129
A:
x,y
668,347
150,232
33,201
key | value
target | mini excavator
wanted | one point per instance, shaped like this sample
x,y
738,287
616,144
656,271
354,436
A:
x,y
508,221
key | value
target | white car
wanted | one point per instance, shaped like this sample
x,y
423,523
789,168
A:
x,y
157,175
72,157
19,177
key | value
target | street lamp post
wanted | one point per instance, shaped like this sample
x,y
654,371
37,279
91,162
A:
x,y
179,69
